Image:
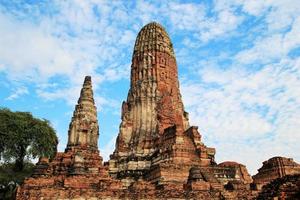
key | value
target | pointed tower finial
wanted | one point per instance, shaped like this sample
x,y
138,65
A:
x,y
84,128
87,78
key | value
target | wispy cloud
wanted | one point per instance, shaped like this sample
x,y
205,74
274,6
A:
x,y
18,93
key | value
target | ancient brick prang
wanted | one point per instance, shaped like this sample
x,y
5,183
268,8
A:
x,y
77,169
154,125
154,101
84,129
273,168
156,144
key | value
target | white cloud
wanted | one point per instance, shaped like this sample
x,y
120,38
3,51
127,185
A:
x,y
69,94
18,93
281,14
277,14
264,50
225,23
29,51
75,42
292,38
255,7
128,37
272,47
186,16
194,17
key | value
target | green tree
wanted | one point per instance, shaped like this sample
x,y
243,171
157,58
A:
x,y
22,136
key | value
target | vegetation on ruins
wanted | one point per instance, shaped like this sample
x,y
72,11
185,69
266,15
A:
x,y
22,136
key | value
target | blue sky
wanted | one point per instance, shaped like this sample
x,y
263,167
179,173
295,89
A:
x,y
238,61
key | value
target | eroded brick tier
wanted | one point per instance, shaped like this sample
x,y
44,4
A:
x,y
158,155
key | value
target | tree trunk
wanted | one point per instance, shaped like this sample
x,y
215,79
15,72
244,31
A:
x,y
19,164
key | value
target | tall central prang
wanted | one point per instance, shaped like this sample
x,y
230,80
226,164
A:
x,y
153,117
154,101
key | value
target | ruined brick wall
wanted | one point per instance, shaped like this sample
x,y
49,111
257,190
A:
x,y
284,188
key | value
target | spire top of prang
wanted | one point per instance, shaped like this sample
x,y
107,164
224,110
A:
x,y
153,37
87,91
87,79
154,24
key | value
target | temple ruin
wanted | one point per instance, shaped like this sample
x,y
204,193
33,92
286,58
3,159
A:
x,y
158,154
